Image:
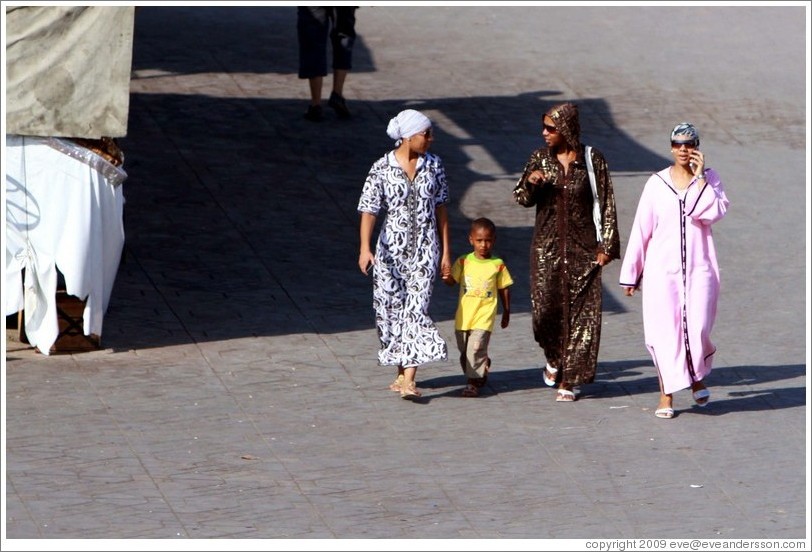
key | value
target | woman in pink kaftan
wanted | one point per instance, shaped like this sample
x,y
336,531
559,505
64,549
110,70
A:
x,y
671,256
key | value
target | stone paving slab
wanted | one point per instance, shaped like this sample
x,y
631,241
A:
x,y
237,395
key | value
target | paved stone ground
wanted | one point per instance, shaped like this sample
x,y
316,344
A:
x,y
237,395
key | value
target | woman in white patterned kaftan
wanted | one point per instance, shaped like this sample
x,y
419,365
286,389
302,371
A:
x,y
408,186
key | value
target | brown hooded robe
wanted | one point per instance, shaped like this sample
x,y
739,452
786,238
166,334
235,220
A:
x,y
565,281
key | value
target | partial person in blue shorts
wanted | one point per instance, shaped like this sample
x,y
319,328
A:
x,y
315,24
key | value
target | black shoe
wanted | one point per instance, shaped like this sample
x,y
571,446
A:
x,y
314,113
339,104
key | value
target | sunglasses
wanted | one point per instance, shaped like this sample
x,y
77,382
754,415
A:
x,y
690,144
549,128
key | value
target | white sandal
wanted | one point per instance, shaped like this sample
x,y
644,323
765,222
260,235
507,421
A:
x,y
701,396
666,413
565,395
553,371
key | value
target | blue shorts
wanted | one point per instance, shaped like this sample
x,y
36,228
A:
x,y
314,25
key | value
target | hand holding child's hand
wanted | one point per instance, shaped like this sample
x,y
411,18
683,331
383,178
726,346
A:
x,y
445,273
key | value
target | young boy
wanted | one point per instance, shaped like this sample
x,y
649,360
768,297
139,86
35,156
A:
x,y
482,277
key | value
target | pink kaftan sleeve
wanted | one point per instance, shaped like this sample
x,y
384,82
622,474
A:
x,y
707,204
631,271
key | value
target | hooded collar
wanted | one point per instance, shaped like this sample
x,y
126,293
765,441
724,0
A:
x,y
565,117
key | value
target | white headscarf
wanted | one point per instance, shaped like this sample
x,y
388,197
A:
x,y
407,123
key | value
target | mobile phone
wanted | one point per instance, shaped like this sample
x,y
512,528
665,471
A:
x,y
692,165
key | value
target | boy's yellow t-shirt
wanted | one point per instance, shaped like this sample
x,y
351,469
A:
x,y
479,281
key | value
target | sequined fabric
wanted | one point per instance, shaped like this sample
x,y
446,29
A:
x,y
565,281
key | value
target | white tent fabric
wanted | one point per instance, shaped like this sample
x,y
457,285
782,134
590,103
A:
x,y
68,70
61,213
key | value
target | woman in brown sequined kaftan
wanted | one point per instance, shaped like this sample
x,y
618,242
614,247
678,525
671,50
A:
x,y
566,254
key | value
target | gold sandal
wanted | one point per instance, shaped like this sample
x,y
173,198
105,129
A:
x,y
410,392
397,384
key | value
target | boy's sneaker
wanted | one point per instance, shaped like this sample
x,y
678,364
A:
x,y
339,104
314,113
